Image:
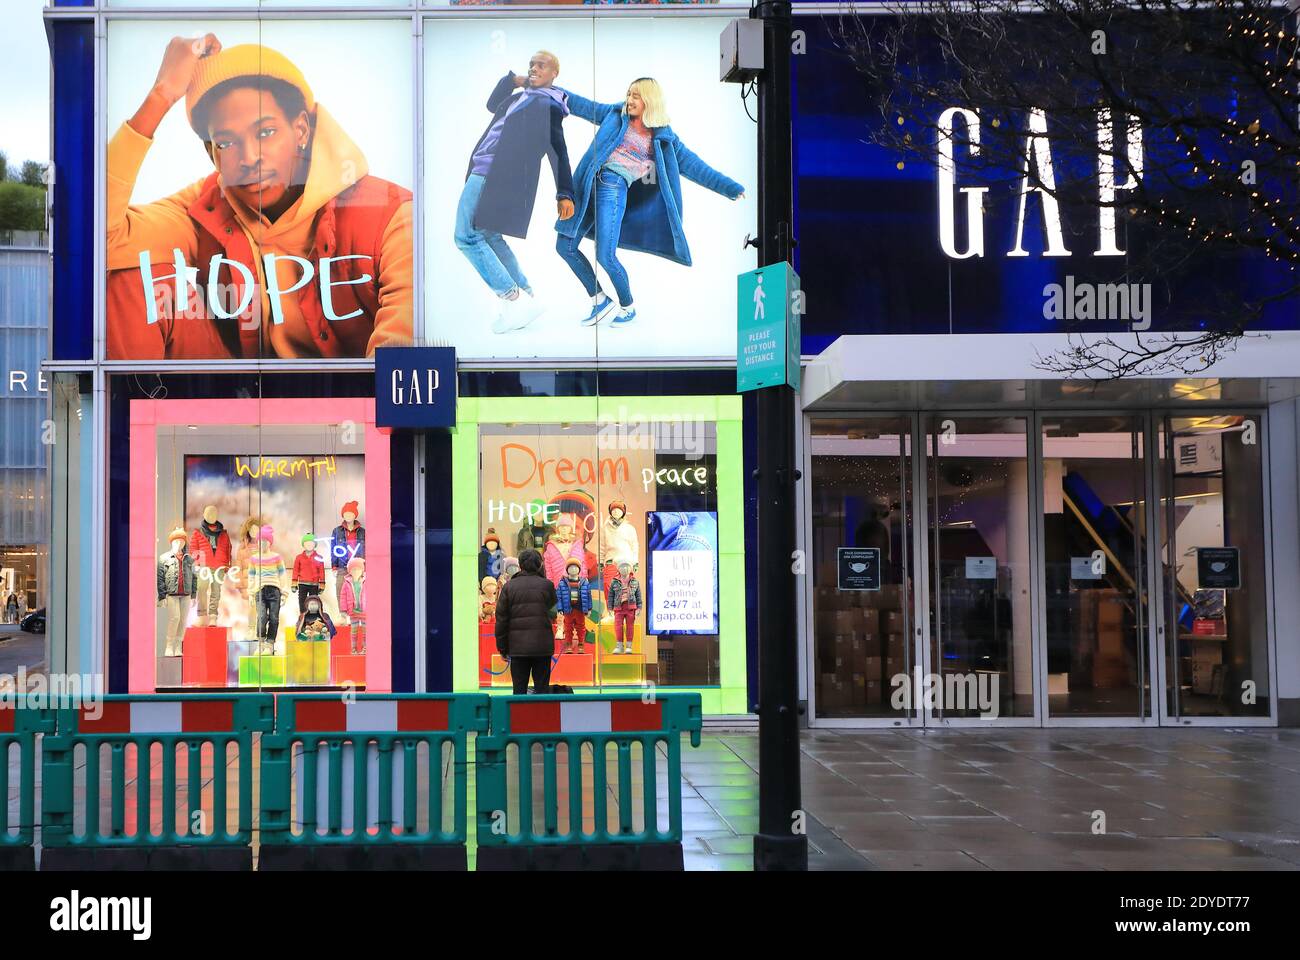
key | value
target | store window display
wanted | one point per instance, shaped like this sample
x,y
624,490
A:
x,y
274,602
601,504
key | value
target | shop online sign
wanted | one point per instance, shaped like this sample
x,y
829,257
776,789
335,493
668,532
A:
x,y
768,304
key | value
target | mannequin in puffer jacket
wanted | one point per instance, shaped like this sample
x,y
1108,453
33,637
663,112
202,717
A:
x,y
177,587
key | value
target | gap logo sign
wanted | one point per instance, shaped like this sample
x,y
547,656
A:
x,y
415,387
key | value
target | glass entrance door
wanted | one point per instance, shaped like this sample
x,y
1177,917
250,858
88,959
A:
x,y
1094,535
979,568
1214,573
862,627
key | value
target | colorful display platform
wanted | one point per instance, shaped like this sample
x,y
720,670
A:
x,y
348,669
204,657
308,662
265,670
170,671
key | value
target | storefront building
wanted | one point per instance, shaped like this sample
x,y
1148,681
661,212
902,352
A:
x,y
1045,551
24,503
1051,550
271,198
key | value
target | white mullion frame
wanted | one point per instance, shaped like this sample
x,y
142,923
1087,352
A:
x,y
803,539
1156,535
918,638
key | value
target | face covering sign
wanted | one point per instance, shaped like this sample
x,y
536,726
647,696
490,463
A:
x,y
683,556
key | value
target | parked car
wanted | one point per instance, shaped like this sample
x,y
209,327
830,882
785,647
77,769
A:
x,y
34,622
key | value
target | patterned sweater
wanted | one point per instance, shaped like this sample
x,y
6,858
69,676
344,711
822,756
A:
x,y
265,570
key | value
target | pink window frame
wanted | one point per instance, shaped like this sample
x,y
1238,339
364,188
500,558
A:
x,y
148,415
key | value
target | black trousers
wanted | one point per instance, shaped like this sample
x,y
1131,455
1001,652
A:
x,y
539,667
305,592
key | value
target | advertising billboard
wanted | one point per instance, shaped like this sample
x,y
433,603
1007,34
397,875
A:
x,y
258,189
588,188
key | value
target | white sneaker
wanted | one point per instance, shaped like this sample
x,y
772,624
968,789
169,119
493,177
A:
x,y
516,314
618,648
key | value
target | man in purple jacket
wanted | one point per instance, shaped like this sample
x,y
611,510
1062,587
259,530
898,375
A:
x,y
501,182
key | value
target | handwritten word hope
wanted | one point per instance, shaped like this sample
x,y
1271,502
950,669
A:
x,y
184,274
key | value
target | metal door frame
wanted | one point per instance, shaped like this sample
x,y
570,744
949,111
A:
x,y
807,595
1162,468
1151,580
1033,490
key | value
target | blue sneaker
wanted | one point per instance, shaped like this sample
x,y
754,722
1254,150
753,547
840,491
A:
x,y
623,319
599,312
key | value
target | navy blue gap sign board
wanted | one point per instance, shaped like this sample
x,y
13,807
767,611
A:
x,y
415,387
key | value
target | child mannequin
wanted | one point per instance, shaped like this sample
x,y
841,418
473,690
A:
x,y
487,600
573,600
314,623
266,574
624,599
563,546
308,573
177,586
348,542
353,603
490,555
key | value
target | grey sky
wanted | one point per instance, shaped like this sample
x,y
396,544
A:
x,y
25,80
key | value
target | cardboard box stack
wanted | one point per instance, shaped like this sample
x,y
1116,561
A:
x,y
860,644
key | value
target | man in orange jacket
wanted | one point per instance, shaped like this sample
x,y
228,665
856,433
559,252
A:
x,y
290,196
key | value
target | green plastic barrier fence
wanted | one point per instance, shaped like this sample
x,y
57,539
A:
x,y
192,722
593,721
350,771
19,725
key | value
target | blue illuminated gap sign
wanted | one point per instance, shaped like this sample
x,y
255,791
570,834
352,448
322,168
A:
x,y
415,387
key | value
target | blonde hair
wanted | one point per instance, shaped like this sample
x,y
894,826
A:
x,y
655,113
555,61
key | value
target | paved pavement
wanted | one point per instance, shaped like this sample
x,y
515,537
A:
x,y
19,649
1202,799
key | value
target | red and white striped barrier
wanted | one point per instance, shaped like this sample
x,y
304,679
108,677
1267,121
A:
x,y
335,717
585,715
376,716
158,716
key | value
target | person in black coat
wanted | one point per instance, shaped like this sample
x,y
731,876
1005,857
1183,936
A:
x,y
501,182
525,628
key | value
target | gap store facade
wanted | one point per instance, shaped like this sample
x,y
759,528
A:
x,y
253,200
1052,551
1046,549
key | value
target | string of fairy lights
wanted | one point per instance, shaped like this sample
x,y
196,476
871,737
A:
x,y
1281,241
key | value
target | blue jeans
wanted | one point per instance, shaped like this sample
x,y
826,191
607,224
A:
x,y
694,530
487,252
610,205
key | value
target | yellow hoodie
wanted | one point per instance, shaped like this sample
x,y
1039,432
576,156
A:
x,y
336,163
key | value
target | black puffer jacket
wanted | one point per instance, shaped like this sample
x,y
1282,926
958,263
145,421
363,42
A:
x,y
526,616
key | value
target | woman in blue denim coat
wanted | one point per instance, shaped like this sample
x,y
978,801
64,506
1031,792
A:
x,y
628,193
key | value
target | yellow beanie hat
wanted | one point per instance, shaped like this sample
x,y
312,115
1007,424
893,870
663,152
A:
x,y
244,60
